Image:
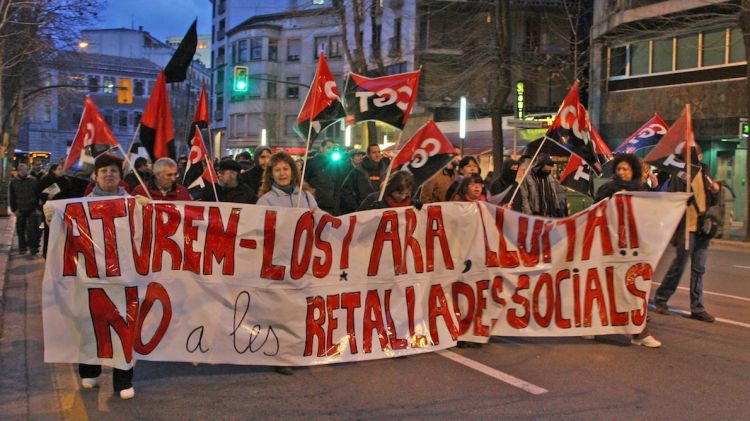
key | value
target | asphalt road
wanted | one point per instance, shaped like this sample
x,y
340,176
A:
x,y
700,372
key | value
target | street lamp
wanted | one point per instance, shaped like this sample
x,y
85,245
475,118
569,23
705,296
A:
x,y
263,138
462,123
83,44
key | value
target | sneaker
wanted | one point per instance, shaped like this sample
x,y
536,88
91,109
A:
x,y
649,342
661,308
88,383
287,371
703,316
128,393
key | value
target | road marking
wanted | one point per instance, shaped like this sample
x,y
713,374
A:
x,y
718,319
736,297
497,374
742,267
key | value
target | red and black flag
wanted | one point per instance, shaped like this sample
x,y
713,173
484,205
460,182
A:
x,y
425,154
388,99
669,155
322,106
199,169
648,135
570,131
179,64
201,117
157,132
92,138
578,175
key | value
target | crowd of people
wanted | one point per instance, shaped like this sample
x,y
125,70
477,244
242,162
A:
x,y
352,182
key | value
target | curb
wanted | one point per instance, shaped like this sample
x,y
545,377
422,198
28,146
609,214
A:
x,y
6,240
730,244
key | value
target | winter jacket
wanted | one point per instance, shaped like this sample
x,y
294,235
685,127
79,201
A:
x,y
132,180
615,185
534,190
277,197
252,178
177,192
436,188
364,179
23,194
63,183
239,194
326,177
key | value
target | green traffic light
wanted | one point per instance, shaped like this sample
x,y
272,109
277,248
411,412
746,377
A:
x,y
336,156
241,85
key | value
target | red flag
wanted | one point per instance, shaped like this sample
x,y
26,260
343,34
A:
x,y
322,106
157,132
671,151
201,117
199,168
599,144
578,176
426,153
388,99
92,130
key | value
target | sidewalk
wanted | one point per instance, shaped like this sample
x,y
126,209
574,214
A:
x,y
6,240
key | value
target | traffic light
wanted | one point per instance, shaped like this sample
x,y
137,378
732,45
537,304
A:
x,y
336,155
744,128
125,91
240,79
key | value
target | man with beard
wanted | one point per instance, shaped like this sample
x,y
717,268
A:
x,y
254,176
364,179
229,189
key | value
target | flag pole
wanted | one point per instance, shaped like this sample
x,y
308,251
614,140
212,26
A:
x,y
689,165
525,173
384,183
132,141
307,143
208,162
140,180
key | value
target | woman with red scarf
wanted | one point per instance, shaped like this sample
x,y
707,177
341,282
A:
x,y
398,193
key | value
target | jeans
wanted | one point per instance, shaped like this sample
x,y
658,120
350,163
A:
x,y
698,253
27,229
121,379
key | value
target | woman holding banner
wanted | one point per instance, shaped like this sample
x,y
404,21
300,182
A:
x,y
627,177
471,189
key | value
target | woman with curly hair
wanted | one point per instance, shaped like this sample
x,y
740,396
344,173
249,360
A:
x,y
471,189
280,185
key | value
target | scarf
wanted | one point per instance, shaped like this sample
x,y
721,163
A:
x,y
394,204
289,189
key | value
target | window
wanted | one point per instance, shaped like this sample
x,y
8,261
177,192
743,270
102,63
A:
x,y
736,46
254,122
289,122
639,55
292,91
533,34
238,125
662,55
271,90
77,80
138,87
220,81
256,48
108,116
93,83
151,84
122,118
222,29
335,47
273,50
239,51
219,112
714,47
617,61
687,52
137,118
293,48
321,44
108,85
76,116
47,113
220,56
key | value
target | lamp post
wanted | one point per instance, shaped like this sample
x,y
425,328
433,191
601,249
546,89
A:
x,y
462,123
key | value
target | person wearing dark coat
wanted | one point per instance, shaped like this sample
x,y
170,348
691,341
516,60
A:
x,y
141,166
364,179
398,193
627,177
53,186
229,189
506,181
326,175
539,191
23,195
254,176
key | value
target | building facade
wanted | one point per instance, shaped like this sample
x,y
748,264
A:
x,y
653,56
202,50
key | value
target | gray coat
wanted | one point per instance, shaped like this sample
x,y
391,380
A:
x,y
277,197
531,200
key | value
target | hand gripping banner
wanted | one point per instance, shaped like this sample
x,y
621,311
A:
x,y
244,284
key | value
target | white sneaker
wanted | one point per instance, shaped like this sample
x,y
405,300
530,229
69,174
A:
x,y
88,383
649,342
127,393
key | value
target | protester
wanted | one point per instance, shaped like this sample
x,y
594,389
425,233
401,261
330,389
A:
x,y
466,166
364,179
23,196
245,161
436,188
281,184
108,174
37,170
143,167
538,191
181,167
705,194
53,186
471,189
326,175
506,182
254,176
649,178
398,193
164,185
628,170
229,189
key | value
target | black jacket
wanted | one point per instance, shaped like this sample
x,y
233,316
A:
x,y
364,179
252,178
63,183
326,177
239,194
23,194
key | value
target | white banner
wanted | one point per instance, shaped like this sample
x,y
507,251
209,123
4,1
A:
x,y
244,284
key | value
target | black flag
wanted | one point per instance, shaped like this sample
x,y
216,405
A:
x,y
176,70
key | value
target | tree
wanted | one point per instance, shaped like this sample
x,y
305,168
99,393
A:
x,y
744,18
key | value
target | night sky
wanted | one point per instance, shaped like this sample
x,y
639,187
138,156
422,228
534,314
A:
x,y
161,18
